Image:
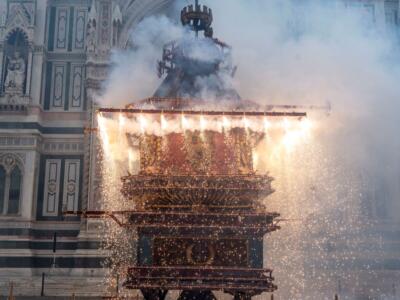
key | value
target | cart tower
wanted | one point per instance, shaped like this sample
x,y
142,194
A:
x,y
200,222
197,200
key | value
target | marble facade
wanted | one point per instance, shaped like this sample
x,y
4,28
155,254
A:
x,y
46,102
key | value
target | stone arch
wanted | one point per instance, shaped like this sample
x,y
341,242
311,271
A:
x,y
12,180
13,30
16,33
10,160
136,11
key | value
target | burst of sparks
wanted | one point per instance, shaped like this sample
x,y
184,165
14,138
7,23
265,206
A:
x,y
278,155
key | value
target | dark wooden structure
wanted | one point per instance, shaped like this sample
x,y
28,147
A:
x,y
197,213
197,198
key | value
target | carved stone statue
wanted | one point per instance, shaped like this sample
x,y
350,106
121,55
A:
x,y
91,38
91,30
3,16
15,78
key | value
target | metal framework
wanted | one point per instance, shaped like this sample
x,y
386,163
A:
x,y
198,216
247,223
204,113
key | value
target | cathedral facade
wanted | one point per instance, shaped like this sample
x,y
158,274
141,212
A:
x,y
54,57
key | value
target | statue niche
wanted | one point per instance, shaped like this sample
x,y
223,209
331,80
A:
x,y
16,53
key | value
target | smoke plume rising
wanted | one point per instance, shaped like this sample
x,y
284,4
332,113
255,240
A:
x,y
347,177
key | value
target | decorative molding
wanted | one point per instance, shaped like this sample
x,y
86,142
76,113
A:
x,y
117,20
77,86
37,127
71,184
70,56
20,14
10,160
87,159
13,164
117,15
104,40
51,187
10,141
57,86
95,226
62,147
15,100
97,71
62,22
91,32
39,49
80,29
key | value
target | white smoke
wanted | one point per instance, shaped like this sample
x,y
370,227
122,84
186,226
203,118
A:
x,y
315,52
134,72
305,52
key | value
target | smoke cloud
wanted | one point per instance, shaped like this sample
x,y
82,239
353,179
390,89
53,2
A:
x,y
348,177
134,72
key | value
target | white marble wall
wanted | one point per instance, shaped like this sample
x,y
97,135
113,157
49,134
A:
x,y
29,185
79,281
39,52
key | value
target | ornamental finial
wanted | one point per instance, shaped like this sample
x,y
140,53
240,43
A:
x,y
198,18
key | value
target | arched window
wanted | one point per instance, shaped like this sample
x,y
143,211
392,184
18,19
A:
x,y
11,177
14,193
2,188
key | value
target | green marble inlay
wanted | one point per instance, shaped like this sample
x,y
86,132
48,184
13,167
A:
x,y
71,29
67,84
47,91
52,26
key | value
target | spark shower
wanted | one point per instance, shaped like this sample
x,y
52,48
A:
x,y
323,166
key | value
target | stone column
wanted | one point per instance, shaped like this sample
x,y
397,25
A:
x,y
29,71
3,15
97,68
36,77
1,67
39,50
28,196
